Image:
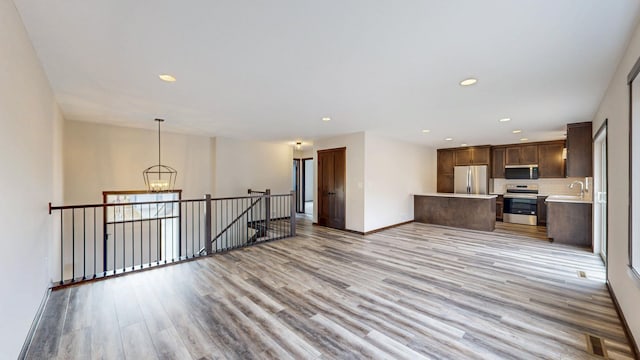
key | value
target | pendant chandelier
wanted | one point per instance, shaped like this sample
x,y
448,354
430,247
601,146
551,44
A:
x,y
159,177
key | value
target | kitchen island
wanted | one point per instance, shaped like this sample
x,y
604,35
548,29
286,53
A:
x,y
469,211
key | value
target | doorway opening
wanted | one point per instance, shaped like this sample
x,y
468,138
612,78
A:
x,y
600,192
297,185
307,185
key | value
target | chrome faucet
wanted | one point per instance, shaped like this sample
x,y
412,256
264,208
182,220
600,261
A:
x,y
581,187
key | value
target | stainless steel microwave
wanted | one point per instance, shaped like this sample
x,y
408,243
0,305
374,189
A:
x,y
522,172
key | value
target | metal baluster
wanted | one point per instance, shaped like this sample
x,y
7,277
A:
x,y
115,235
105,239
73,245
158,235
169,223
84,243
124,239
245,221
193,234
61,247
141,237
173,233
149,234
166,253
133,241
94,243
200,242
292,214
180,232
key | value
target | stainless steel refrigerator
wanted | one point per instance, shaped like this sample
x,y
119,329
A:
x,y
470,179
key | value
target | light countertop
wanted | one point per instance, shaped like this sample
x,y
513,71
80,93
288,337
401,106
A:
x,y
568,199
467,196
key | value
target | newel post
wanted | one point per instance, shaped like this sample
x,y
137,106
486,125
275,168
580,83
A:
x,y
292,220
207,224
267,209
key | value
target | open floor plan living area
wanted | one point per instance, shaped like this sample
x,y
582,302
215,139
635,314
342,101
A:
x,y
320,180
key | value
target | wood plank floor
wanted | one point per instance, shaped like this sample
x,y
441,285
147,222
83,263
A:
x,y
411,292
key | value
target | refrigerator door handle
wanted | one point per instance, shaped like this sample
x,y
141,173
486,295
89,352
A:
x,y
469,181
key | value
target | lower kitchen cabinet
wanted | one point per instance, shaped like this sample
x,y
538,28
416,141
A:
x,y
570,223
542,211
499,207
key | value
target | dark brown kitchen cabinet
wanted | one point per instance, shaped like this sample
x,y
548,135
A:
x,y
446,163
497,162
542,211
579,150
482,155
477,155
464,156
521,155
528,154
499,207
570,223
512,155
550,161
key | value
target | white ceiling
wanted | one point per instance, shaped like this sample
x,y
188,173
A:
x,y
270,70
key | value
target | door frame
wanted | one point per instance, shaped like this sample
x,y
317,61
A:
x,y
304,180
601,130
318,175
297,176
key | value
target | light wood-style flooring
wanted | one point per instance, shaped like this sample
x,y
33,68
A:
x,y
415,291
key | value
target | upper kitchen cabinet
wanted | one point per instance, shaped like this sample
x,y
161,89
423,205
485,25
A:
x,y
481,155
497,162
521,155
464,156
477,155
446,163
550,161
579,150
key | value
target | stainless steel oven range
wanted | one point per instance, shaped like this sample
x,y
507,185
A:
x,y
521,204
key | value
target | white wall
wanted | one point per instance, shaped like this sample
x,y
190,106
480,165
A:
x,y
304,153
242,165
393,171
354,193
100,157
615,107
30,158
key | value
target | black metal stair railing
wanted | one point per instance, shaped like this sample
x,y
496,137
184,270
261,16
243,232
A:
x,y
90,244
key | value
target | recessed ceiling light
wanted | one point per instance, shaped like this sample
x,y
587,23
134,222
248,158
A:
x,y
505,119
463,144
426,131
516,131
469,81
326,119
523,139
167,77
448,139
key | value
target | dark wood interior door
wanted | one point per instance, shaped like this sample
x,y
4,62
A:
x,y
331,187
